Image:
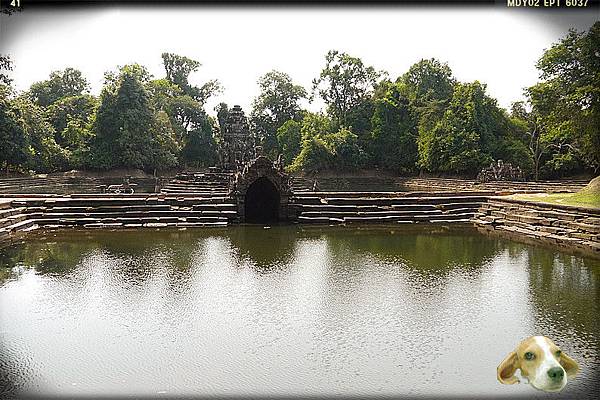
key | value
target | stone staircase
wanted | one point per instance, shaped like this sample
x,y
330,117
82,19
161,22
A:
x,y
13,219
435,184
571,227
384,207
199,183
69,185
411,184
112,211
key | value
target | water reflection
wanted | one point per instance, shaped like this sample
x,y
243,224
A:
x,y
286,310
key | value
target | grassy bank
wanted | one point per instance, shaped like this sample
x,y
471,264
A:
x,y
587,197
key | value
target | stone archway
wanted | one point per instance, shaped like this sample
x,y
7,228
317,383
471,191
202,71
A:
x,y
262,191
261,202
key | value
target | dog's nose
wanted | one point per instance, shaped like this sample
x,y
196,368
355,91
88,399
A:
x,y
556,373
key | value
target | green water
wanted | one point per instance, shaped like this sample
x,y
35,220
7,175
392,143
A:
x,y
314,311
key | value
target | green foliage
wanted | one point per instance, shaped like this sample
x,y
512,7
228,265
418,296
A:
x,y
129,133
566,104
200,148
470,134
5,65
344,84
13,143
428,81
44,154
393,143
314,156
222,114
314,153
179,68
276,103
74,110
314,124
425,119
61,84
323,149
345,150
289,140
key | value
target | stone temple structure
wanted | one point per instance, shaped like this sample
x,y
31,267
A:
x,y
261,191
238,146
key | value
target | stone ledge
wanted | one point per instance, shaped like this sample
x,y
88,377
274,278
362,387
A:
x,y
575,228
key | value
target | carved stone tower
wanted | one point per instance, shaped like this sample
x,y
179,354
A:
x,y
238,145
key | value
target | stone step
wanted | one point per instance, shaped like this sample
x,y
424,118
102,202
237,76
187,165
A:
x,y
9,211
386,219
12,219
17,226
389,201
99,209
217,206
138,208
121,202
126,220
365,208
109,225
481,195
375,214
136,214
459,205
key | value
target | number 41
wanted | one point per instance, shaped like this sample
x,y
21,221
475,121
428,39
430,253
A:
x,y
15,3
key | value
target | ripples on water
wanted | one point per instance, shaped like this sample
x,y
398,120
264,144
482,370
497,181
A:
x,y
286,311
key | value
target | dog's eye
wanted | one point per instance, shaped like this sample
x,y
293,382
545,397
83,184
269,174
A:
x,y
529,356
558,353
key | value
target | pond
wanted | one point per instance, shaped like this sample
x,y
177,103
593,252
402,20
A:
x,y
290,310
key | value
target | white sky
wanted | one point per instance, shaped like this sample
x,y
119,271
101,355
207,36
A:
x,y
494,45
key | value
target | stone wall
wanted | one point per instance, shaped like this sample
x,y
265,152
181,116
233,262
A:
x,y
27,213
576,229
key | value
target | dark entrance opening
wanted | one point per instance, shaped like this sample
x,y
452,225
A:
x,y
261,203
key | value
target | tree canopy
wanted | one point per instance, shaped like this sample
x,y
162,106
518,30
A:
x,y
424,120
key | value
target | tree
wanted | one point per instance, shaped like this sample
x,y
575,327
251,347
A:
x,y
129,133
192,126
13,143
345,150
471,133
5,65
567,100
427,81
314,153
76,110
393,143
289,139
178,68
314,156
276,103
343,84
222,110
69,82
43,153
200,147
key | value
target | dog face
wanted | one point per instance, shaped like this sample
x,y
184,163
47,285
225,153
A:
x,y
545,366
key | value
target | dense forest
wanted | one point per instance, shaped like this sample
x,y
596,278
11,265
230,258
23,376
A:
x,y
422,121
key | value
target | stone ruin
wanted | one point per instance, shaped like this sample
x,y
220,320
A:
x,y
500,171
238,144
261,190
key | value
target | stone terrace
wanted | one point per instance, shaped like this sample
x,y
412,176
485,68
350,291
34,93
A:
x,y
385,207
112,211
573,228
407,184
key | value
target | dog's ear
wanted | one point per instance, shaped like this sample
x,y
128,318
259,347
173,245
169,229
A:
x,y
507,369
570,365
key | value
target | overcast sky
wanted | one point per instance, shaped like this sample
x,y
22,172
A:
x,y
494,45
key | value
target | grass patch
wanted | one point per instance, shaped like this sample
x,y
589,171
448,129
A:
x,y
587,197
